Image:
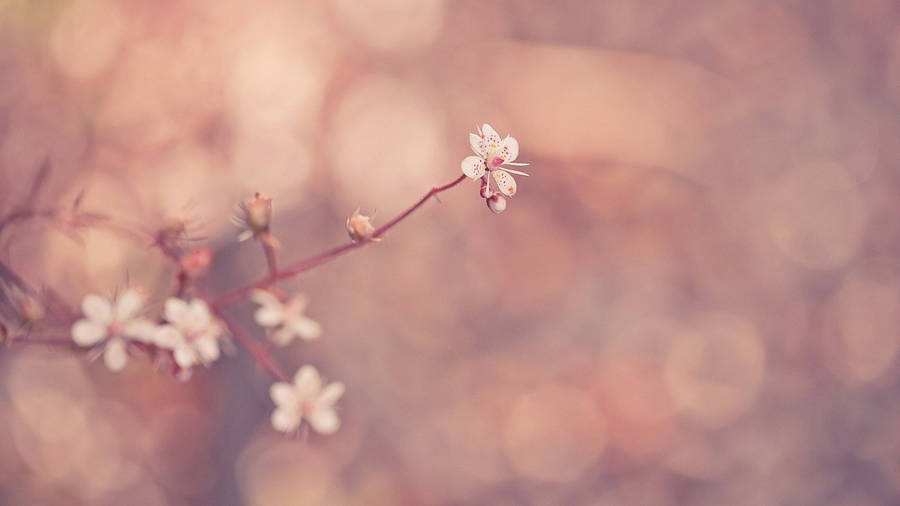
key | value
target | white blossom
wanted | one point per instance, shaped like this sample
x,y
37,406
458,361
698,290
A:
x,y
287,320
191,333
306,399
113,323
493,156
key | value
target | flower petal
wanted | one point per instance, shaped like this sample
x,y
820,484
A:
x,y
128,303
185,356
331,393
477,144
472,167
140,329
167,337
505,182
114,355
491,138
509,149
207,347
264,298
197,317
87,333
282,337
324,420
174,310
308,382
97,308
269,316
285,420
282,394
306,328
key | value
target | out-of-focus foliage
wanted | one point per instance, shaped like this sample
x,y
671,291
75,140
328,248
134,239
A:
x,y
694,299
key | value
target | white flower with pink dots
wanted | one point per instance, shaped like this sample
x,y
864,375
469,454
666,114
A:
x,y
494,155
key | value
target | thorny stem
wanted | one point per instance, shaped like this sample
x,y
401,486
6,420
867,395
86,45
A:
x,y
306,264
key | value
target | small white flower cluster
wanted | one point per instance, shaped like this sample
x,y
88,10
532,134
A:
x,y
493,158
114,325
305,399
192,334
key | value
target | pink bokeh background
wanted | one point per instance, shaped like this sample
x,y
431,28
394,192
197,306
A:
x,y
694,299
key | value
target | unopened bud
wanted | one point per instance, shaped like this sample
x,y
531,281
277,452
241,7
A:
x,y
359,226
195,263
259,212
254,216
485,189
32,310
496,203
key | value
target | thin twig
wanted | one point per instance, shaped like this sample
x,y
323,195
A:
x,y
271,260
257,350
39,341
304,265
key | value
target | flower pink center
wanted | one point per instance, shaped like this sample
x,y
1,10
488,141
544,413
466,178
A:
x,y
114,329
496,162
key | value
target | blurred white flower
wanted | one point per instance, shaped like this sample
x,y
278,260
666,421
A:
x,y
286,319
114,323
493,156
306,399
191,333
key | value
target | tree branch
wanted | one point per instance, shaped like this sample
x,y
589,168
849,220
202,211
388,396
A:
x,y
306,264
257,350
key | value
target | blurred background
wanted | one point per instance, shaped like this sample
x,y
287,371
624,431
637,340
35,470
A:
x,y
694,299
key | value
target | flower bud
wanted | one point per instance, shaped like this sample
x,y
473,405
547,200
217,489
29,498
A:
x,y
485,189
258,212
195,263
359,226
32,311
254,216
496,203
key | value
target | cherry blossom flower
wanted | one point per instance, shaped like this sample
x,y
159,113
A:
x,y
191,333
493,157
114,323
286,319
306,399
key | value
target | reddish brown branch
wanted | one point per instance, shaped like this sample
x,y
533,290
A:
x,y
257,350
306,264
40,341
271,260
